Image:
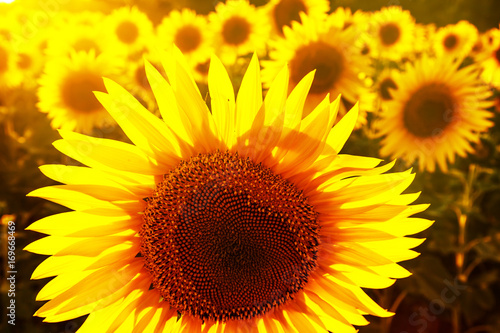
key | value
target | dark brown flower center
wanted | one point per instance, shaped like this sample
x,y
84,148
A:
x,y
224,238
127,32
328,61
384,87
203,67
365,50
5,34
389,34
429,110
24,61
141,79
86,44
236,30
4,60
450,42
497,55
287,11
188,38
77,91
478,46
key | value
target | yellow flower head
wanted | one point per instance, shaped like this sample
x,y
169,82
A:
x,y
200,71
29,64
135,79
242,218
489,58
386,83
393,33
238,28
66,90
189,32
6,25
455,40
332,52
129,28
436,110
282,13
344,18
82,32
9,75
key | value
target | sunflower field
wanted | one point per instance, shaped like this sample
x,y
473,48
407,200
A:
x,y
250,166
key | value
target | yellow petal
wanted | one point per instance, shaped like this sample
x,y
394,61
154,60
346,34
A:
x,y
268,125
61,283
140,185
249,99
341,132
72,199
189,99
143,128
175,118
81,224
59,265
105,154
222,99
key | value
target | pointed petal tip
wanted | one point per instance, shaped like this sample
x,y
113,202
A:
x,y
108,82
32,193
101,96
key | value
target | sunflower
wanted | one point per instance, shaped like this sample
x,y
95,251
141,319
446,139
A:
x,y
344,18
7,101
489,58
9,75
435,112
282,13
386,83
66,90
240,219
87,18
238,29
29,64
392,33
455,40
77,33
333,52
189,32
6,24
424,36
131,28
136,81
200,70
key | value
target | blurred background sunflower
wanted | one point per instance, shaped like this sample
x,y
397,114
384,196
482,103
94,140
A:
x,y
426,75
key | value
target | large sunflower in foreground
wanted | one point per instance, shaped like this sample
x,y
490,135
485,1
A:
x,y
244,218
436,110
66,90
334,52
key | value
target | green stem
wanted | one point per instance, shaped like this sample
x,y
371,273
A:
x,y
467,202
